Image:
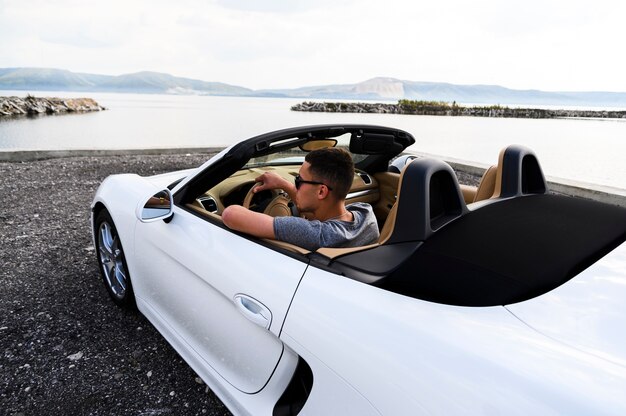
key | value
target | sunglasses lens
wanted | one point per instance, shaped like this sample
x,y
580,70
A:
x,y
298,182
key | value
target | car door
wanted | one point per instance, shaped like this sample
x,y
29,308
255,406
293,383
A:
x,y
222,295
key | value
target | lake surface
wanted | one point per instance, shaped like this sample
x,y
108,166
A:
x,y
586,150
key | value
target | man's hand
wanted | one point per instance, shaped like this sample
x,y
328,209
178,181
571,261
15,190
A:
x,y
272,180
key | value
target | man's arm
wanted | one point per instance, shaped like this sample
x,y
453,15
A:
x,y
239,218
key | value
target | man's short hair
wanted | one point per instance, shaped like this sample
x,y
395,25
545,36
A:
x,y
334,167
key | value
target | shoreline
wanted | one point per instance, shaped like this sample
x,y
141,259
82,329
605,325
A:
x,y
440,108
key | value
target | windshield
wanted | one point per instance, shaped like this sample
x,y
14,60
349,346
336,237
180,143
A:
x,y
295,155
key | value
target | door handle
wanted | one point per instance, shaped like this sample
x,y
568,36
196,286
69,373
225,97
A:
x,y
254,310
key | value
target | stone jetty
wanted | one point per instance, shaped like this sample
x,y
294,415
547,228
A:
x,y
436,108
12,106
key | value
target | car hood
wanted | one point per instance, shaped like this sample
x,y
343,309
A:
x,y
588,312
165,179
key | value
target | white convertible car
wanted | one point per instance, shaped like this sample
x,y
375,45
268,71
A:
x,y
501,299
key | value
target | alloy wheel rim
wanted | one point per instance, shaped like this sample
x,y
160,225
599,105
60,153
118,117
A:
x,y
111,259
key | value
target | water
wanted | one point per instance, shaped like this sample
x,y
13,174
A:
x,y
585,150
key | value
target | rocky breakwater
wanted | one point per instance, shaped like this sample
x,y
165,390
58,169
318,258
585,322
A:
x,y
13,106
379,108
438,108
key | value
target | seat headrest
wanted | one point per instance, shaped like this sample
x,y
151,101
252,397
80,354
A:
x,y
519,173
429,197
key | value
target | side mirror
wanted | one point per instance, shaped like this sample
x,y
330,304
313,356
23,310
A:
x,y
157,207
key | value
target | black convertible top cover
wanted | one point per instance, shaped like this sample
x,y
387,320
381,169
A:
x,y
509,251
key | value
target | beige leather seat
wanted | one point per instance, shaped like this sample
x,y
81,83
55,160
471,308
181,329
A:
x,y
485,189
386,230
487,185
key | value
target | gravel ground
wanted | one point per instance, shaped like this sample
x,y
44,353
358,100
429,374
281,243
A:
x,y
65,348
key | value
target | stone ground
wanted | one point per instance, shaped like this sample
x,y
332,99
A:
x,y
65,348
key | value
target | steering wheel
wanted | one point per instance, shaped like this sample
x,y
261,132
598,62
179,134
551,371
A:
x,y
278,206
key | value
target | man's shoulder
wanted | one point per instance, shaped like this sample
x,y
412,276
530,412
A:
x,y
363,207
296,221
359,205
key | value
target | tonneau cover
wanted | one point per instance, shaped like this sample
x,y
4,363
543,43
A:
x,y
510,251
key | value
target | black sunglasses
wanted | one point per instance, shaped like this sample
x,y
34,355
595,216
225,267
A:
x,y
299,181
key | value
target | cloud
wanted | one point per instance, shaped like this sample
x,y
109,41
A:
x,y
543,44
280,6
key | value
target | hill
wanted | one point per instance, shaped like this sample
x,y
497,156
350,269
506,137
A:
x,y
385,89
392,89
33,79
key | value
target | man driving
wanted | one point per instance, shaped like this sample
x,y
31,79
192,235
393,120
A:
x,y
319,193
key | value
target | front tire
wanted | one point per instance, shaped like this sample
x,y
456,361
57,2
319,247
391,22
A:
x,y
112,261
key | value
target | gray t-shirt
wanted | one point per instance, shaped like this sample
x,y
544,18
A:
x,y
314,234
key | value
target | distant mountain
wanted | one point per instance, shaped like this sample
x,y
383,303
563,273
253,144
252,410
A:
x,y
494,94
154,82
42,78
33,79
373,89
387,89
395,89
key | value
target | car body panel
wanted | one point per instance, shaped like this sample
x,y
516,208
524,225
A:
x,y
239,403
120,195
332,394
164,180
196,287
441,359
588,313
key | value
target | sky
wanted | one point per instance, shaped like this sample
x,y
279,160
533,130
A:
x,y
566,45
